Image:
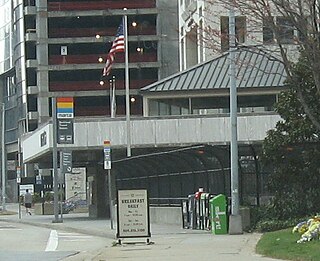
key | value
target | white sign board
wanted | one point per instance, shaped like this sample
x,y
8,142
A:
x,y
23,188
64,50
76,184
133,214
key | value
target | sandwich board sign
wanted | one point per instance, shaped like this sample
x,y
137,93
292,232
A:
x,y
133,214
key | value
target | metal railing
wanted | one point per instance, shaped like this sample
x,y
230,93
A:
x,y
166,202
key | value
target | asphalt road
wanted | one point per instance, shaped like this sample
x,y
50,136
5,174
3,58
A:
x,y
24,242
94,239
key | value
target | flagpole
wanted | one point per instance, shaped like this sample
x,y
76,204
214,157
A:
x,y
125,22
110,97
113,97
114,100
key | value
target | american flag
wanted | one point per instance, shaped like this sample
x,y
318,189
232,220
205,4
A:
x,y
117,47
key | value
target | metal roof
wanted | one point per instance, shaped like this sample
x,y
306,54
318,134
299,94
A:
x,y
254,68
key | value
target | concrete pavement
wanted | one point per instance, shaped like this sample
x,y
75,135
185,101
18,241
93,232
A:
x,y
168,242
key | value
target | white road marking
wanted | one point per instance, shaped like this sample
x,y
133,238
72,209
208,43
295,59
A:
x,y
9,227
75,240
3,229
74,236
53,241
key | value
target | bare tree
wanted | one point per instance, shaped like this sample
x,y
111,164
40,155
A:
x,y
286,23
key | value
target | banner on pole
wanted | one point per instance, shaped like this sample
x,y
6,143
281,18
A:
x,y
107,154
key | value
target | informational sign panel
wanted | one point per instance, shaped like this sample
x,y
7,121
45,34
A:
x,y
66,162
107,154
133,214
18,174
38,180
65,131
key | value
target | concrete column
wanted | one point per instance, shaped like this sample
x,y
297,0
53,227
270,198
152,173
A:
x,y
168,48
103,208
42,58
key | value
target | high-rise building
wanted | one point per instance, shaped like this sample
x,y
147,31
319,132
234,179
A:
x,y
58,48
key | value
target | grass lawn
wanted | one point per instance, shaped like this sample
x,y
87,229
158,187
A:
x,y
282,244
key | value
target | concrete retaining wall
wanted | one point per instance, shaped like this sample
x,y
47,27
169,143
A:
x,y
166,215
245,215
173,215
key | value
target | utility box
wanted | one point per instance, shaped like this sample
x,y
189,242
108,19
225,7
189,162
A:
x,y
218,215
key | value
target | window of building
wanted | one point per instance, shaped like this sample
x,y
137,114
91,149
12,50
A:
x,y
201,41
241,31
278,29
210,105
32,103
164,107
182,49
191,47
11,86
267,31
29,2
286,30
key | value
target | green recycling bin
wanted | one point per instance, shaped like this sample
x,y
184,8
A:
x,y
218,215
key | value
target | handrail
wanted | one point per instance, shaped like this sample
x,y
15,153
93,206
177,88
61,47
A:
x,y
93,58
92,32
95,85
167,202
100,5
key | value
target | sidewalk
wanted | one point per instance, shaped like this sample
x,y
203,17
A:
x,y
169,242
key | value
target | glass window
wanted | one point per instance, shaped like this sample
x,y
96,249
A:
x,y
267,31
11,87
285,30
241,31
201,41
280,29
175,110
168,107
164,109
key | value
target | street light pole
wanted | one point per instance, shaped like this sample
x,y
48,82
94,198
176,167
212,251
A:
x,y
235,221
55,161
3,159
128,125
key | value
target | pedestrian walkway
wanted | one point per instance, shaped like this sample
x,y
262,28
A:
x,y
169,242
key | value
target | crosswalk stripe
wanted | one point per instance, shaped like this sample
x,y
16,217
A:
x,y
9,227
74,236
53,240
75,240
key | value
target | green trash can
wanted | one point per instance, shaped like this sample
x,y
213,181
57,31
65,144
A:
x,y
218,215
